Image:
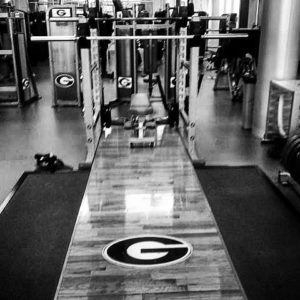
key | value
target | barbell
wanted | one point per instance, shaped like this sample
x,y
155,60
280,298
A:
x,y
137,37
76,19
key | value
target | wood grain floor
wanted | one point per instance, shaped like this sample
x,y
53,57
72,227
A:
x,y
146,191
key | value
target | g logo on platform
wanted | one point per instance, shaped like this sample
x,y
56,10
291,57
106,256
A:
x,y
148,251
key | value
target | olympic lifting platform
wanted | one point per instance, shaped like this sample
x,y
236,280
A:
x,y
146,192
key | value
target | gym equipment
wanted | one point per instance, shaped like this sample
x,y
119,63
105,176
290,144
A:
x,y
222,65
150,54
17,83
92,90
127,59
249,81
72,38
291,187
291,156
64,57
228,22
171,67
38,51
140,107
283,109
93,138
290,177
188,121
125,64
105,28
229,61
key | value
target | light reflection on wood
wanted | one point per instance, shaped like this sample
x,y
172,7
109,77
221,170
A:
x,y
146,191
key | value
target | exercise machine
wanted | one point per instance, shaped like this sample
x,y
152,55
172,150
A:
x,y
17,83
144,131
140,103
140,108
229,60
64,57
283,110
282,130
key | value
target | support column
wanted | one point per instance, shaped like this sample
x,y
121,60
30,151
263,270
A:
x,y
278,53
215,8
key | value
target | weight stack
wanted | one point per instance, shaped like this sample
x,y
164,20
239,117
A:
x,y
64,57
124,65
150,62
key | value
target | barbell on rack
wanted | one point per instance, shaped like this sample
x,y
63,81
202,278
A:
x,y
144,19
136,37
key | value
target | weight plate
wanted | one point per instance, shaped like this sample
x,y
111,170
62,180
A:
x,y
287,149
292,155
290,158
294,161
296,175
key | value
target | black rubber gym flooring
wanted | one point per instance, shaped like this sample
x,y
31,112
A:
x,y
260,229
35,230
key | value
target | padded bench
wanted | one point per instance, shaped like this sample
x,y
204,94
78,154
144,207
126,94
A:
x,y
140,104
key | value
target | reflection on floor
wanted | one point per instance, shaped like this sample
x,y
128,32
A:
x,y
220,138
146,191
40,128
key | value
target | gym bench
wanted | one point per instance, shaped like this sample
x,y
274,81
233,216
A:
x,y
140,108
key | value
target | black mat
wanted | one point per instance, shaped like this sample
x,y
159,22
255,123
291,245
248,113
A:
x,y
260,229
35,231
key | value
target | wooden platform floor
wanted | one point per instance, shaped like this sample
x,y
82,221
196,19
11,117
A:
x,y
146,191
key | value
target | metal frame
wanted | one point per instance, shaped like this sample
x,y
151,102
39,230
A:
x,y
91,125
96,76
167,61
18,76
181,73
193,96
135,75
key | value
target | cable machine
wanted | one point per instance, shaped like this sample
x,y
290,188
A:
x,y
17,84
64,57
